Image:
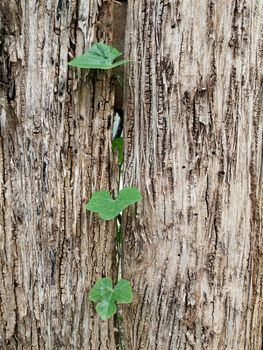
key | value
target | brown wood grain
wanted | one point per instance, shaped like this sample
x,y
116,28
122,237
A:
x,y
193,132
56,154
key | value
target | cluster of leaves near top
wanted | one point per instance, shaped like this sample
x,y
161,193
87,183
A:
x,y
102,56
99,56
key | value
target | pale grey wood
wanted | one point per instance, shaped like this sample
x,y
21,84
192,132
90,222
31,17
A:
x,y
55,149
193,132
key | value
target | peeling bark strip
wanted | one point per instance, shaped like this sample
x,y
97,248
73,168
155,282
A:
x,y
193,131
55,149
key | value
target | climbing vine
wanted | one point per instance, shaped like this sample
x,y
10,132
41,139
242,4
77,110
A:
x,y
102,56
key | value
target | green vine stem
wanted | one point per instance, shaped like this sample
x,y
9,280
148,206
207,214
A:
x,y
107,297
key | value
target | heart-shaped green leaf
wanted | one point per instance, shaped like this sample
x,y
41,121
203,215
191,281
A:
x,y
102,290
123,292
98,56
106,309
101,202
103,293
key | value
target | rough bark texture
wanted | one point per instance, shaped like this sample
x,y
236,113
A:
x,y
55,149
119,24
193,131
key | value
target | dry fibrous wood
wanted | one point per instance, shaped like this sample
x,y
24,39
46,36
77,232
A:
x,y
193,131
55,150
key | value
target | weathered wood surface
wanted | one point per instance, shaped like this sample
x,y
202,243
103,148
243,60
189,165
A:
x,y
118,28
193,134
55,149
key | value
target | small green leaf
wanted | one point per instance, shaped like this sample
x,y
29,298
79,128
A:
x,y
118,144
106,296
102,290
101,202
98,56
106,309
123,292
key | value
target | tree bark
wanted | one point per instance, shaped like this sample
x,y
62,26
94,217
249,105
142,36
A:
x,y
193,131
55,150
